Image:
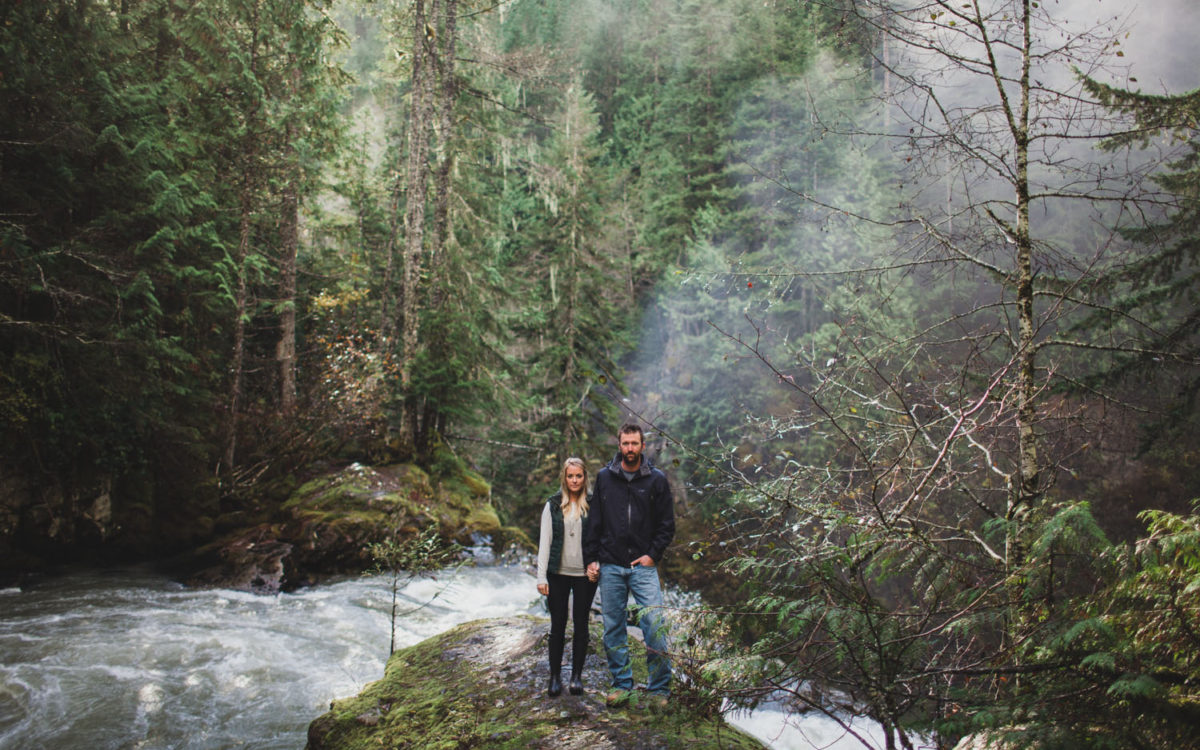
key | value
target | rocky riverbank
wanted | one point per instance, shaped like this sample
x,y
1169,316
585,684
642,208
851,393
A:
x,y
482,684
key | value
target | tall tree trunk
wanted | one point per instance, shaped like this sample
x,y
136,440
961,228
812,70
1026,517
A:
x,y
289,242
1024,495
241,304
289,249
447,95
417,173
434,93
570,333
388,304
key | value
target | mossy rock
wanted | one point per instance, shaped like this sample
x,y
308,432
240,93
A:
x,y
509,537
484,520
476,483
387,489
482,684
330,522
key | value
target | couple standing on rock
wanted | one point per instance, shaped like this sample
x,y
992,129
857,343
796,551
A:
x,y
612,540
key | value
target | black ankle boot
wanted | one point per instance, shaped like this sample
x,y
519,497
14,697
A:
x,y
555,688
576,685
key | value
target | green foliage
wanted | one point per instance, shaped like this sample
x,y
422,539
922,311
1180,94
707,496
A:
x,y
423,553
609,159
104,248
1163,589
126,172
911,629
420,554
1119,669
1159,286
896,510
575,310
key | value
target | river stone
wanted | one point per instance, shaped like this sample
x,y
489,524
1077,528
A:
x,y
482,684
247,562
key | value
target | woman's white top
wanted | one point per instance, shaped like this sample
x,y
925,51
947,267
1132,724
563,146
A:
x,y
572,549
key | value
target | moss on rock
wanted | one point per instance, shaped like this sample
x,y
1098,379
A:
x,y
482,684
484,519
327,525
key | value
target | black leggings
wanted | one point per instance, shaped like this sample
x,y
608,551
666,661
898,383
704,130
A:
x,y
581,590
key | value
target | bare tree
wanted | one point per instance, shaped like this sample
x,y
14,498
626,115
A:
x,y
908,542
989,111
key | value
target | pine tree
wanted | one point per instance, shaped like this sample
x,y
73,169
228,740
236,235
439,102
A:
x,y
1158,287
579,314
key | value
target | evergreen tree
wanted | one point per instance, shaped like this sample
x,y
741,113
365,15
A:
x,y
118,251
582,313
109,248
1152,297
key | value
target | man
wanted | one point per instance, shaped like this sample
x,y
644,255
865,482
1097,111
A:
x,y
631,522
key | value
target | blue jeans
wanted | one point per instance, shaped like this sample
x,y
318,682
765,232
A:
x,y
616,583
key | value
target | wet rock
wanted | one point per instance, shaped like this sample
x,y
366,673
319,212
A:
x,y
370,718
251,561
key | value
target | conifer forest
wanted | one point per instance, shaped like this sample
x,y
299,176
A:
x,y
906,294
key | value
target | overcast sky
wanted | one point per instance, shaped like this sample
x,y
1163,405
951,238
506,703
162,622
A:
x,y
1163,48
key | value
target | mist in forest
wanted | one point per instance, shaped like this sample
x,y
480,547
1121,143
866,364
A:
x,y
692,326
1160,49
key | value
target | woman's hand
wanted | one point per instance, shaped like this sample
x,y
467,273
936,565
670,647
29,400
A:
x,y
544,589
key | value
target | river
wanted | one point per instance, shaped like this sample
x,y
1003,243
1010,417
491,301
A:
x,y
128,660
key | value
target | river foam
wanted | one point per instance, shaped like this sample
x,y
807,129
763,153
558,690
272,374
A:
x,y
125,659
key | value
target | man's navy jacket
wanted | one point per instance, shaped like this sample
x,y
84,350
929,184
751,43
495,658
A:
x,y
629,518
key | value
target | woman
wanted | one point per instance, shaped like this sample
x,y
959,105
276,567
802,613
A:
x,y
561,575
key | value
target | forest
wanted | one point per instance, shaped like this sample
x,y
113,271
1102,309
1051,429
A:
x,y
905,293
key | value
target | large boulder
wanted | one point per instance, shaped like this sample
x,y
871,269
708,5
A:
x,y
483,684
327,526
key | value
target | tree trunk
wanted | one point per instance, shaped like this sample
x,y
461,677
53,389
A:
x,y
1025,495
1028,489
435,33
241,306
241,301
289,241
447,94
388,304
417,172
289,248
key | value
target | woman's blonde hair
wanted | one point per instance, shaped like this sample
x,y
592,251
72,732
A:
x,y
578,508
